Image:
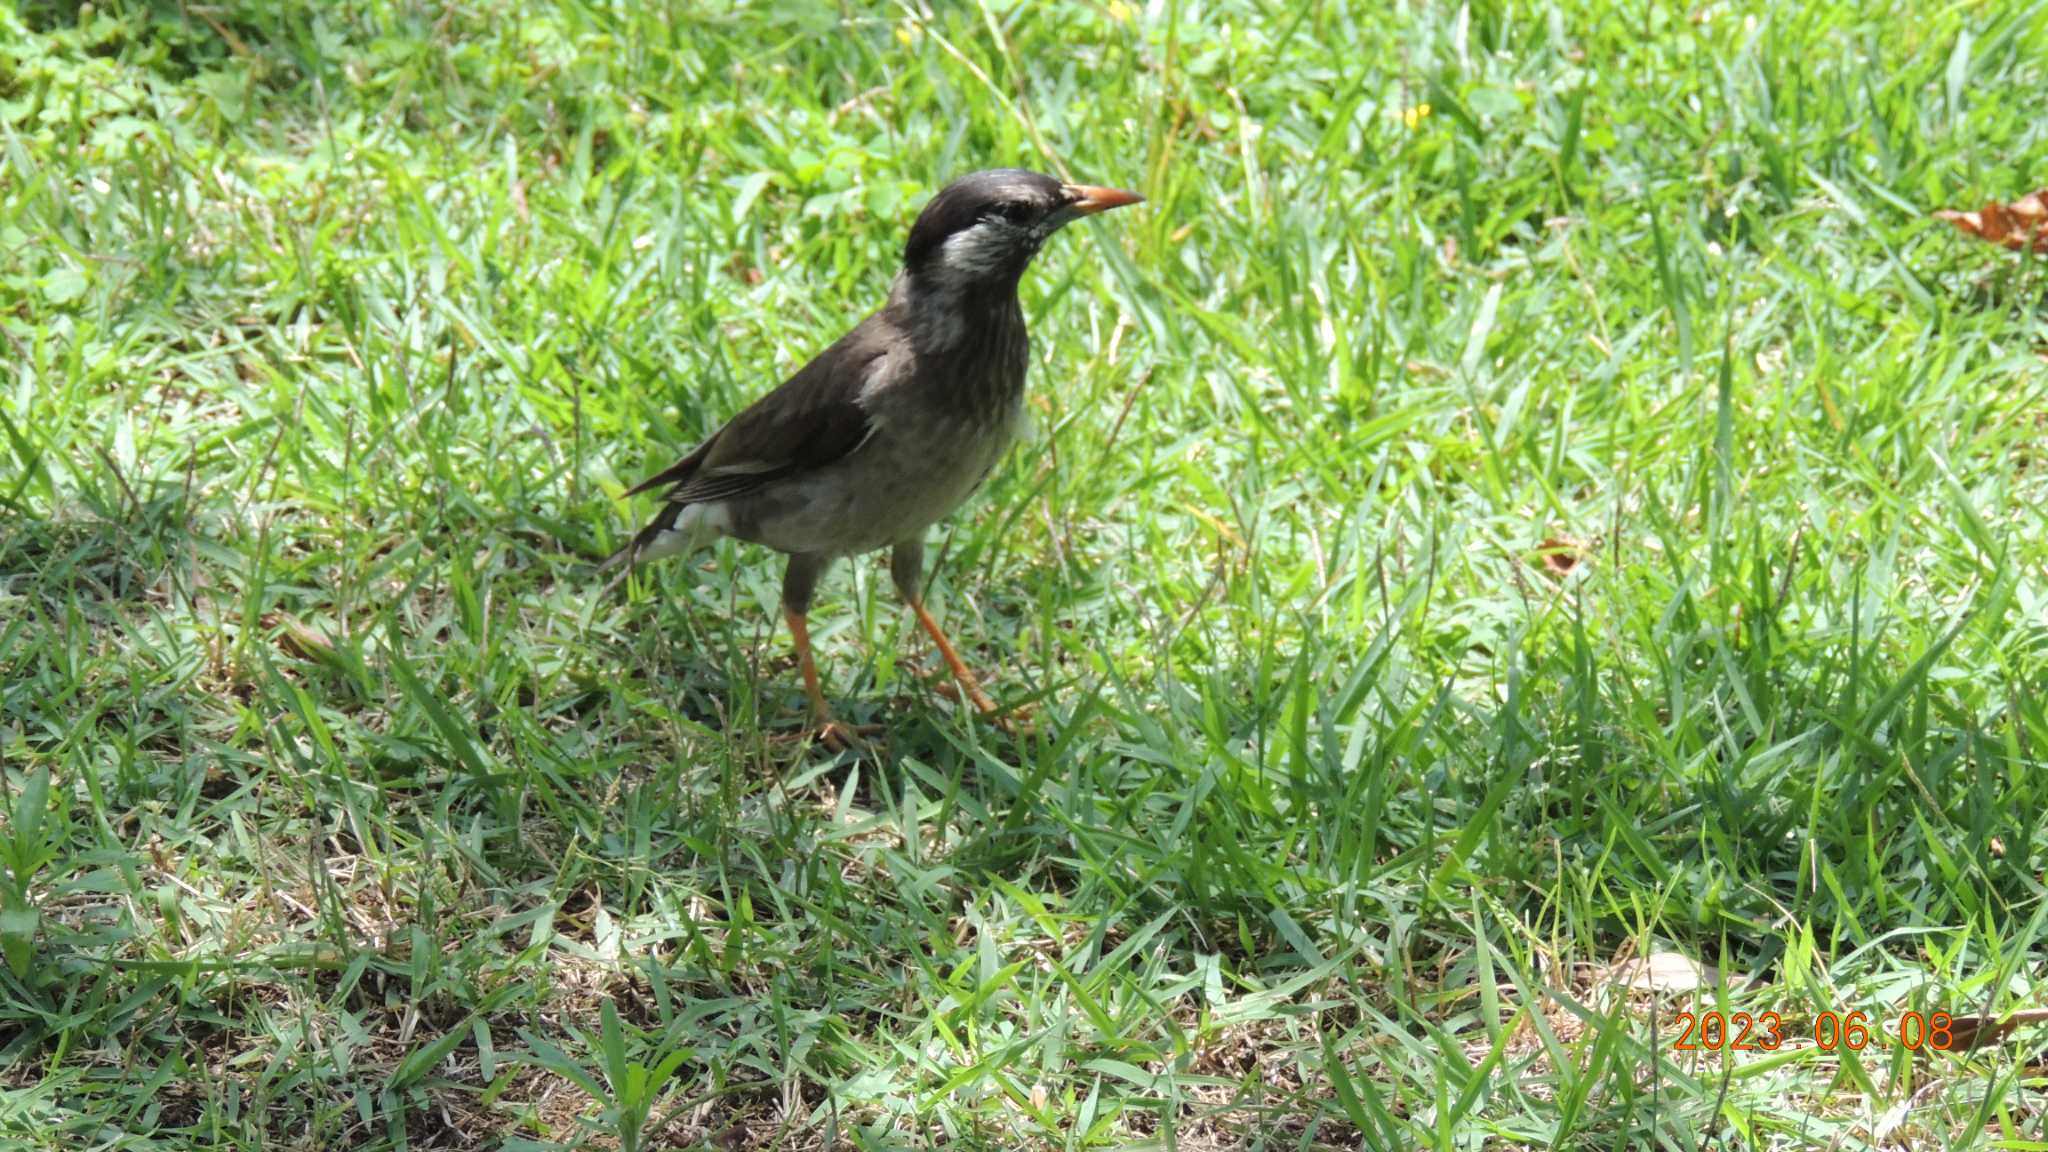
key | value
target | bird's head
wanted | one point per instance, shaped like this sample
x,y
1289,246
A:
x,y
983,229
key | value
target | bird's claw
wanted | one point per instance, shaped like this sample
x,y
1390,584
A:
x,y
949,688
834,735
841,737
1014,720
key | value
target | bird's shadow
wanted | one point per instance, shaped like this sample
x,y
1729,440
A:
x,y
736,681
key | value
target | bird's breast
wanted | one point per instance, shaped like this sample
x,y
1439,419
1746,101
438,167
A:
x,y
935,458
919,465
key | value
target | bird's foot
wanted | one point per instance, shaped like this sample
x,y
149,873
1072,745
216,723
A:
x,y
1014,719
950,688
834,735
841,737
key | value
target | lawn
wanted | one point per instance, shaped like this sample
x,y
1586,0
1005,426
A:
x,y
1531,490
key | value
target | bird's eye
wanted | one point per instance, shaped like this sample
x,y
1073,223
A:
x,y
1011,211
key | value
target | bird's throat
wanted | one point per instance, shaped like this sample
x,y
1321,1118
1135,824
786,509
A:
x,y
947,317
970,337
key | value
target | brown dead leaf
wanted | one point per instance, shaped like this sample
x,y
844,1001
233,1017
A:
x,y
2015,225
1560,554
1971,1032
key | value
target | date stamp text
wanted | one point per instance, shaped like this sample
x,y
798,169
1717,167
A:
x,y
1829,1031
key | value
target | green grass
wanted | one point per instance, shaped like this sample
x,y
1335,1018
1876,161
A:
x,y
1462,548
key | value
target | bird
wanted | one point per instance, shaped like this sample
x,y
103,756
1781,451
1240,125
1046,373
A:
x,y
891,428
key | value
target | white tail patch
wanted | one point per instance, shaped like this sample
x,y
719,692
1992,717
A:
x,y
697,526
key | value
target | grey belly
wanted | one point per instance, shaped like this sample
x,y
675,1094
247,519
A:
x,y
901,482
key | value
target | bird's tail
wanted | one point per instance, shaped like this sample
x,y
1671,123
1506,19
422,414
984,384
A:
x,y
675,529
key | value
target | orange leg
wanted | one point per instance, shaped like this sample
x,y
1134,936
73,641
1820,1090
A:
x,y
835,735
961,673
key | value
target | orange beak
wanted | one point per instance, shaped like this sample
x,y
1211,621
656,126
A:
x,y
1088,199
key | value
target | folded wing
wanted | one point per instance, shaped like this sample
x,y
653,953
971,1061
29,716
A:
x,y
813,420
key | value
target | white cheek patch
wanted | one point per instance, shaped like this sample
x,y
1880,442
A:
x,y
990,251
976,251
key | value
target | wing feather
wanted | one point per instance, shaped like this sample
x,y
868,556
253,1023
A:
x,y
814,419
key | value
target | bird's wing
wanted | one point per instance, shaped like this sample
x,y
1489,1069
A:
x,y
813,419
